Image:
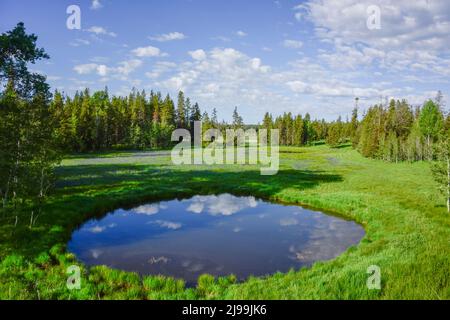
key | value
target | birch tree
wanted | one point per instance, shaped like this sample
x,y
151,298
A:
x,y
441,168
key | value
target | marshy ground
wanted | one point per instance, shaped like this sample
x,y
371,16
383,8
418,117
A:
x,y
407,227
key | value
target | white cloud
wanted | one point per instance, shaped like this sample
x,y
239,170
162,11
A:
x,y
147,209
79,42
196,207
101,31
241,33
224,204
123,69
226,66
410,32
160,68
102,70
168,37
148,52
128,66
96,4
403,23
198,54
409,51
167,224
85,68
295,44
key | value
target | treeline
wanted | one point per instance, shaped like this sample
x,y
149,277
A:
x,y
300,130
399,132
393,132
91,122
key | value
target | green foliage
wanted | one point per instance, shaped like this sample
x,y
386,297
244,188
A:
x,y
430,120
205,283
238,122
441,167
28,150
161,287
398,132
17,49
407,227
298,130
87,123
431,124
335,136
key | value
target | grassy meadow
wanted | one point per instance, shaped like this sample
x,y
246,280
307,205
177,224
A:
x,y
407,227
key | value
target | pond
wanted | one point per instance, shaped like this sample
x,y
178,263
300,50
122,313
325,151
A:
x,y
216,234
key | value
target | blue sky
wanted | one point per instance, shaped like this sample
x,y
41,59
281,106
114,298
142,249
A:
x,y
311,56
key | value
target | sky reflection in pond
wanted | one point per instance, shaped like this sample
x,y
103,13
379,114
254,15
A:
x,y
219,235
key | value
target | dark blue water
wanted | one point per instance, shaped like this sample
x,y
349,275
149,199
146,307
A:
x,y
219,235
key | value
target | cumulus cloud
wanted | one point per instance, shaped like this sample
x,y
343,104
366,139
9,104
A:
x,y
410,32
148,51
168,37
123,69
404,23
160,68
224,204
225,66
198,54
241,33
85,68
100,31
147,209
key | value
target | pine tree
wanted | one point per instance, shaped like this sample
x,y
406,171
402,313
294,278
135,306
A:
x,y
187,113
181,111
196,114
168,112
237,119
354,134
267,121
214,119
298,131
335,133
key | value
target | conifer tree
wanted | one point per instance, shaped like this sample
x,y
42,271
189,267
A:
x,y
181,111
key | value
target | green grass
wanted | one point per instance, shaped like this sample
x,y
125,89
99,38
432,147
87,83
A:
x,y
407,227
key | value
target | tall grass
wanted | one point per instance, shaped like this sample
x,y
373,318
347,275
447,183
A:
x,y
407,227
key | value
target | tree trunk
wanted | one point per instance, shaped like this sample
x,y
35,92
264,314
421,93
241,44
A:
x,y
429,153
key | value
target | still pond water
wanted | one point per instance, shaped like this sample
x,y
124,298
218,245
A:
x,y
215,234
